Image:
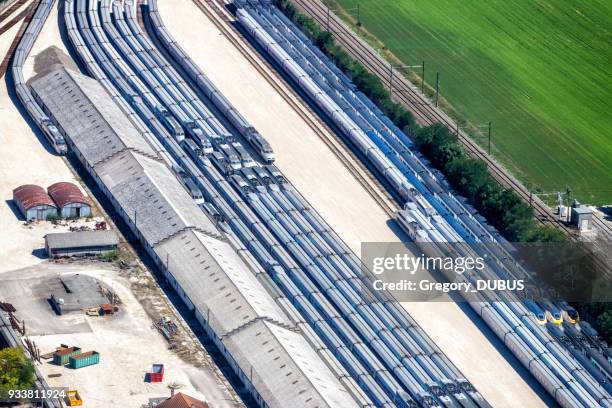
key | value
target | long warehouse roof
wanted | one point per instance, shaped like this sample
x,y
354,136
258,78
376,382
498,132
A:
x,y
258,335
152,197
215,279
100,129
277,353
81,239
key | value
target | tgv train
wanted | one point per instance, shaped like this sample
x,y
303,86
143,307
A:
x,y
553,313
538,313
33,106
261,145
375,347
431,213
569,313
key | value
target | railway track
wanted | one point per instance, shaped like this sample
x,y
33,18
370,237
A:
x,y
425,113
15,19
216,11
11,9
26,15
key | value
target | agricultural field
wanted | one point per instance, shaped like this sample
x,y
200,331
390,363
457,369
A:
x,y
538,70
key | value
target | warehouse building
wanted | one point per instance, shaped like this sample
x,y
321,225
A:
x,y
581,216
34,202
80,243
271,356
70,201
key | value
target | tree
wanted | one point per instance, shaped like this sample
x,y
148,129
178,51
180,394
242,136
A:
x,y
543,234
604,324
324,39
16,370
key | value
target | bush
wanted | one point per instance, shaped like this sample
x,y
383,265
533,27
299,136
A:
x,y
54,219
110,256
16,370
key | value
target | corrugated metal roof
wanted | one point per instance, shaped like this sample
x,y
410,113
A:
x,y
209,271
86,112
62,240
152,197
258,335
145,188
286,371
218,282
30,196
64,193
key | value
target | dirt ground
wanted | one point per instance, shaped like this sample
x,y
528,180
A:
x,y
342,201
127,342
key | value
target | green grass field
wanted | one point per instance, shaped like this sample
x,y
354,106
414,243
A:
x,y
540,71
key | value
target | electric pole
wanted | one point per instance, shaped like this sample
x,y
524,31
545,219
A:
x,y
438,87
489,138
423,77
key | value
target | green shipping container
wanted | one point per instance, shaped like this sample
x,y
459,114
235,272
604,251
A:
x,y
84,359
61,357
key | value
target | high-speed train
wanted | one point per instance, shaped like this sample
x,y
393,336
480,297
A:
x,y
538,313
553,313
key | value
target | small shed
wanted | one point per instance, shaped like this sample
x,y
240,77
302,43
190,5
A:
x,y
67,244
581,217
34,202
181,400
70,200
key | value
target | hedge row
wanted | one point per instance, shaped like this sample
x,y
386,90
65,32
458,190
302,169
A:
x,y
503,208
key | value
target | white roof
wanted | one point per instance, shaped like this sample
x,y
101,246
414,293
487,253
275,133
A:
x,y
152,197
286,370
88,115
218,282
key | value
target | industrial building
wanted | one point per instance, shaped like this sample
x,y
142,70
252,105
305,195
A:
x,y
69,199
80,243
275,361
34,202
75,293
581,216
294,327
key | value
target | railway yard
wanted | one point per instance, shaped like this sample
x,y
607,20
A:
x,y
243,173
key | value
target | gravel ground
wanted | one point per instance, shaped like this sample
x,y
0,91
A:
x,y
127,342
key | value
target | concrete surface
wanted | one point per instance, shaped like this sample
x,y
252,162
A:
x,y
120,339
342,201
